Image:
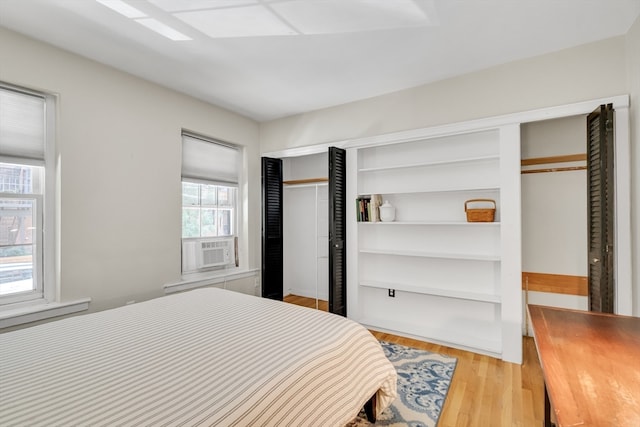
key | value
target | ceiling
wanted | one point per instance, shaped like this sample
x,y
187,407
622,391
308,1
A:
x,y
267,59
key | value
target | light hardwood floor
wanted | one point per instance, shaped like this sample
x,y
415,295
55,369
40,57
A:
x,y
484,392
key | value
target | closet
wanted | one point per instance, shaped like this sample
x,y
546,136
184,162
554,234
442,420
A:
x,y
554,212
306,227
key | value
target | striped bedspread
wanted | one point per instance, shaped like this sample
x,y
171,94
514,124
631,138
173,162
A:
x,y
205,357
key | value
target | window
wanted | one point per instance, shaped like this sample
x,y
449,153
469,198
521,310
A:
x,y
25,128
207,210
210,171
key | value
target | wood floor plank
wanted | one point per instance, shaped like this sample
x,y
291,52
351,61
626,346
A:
x,y
484,391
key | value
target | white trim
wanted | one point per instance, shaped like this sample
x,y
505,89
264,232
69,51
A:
x,y
35,312
50,277
623,303
511,244
202,280
304,151
489,123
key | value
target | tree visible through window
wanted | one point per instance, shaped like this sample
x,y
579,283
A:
x,y
207,210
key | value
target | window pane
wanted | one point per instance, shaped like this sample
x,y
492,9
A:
x,y
208,195
17,220
17,179
202,215
226,196
190,194
209,222
225,226
190,222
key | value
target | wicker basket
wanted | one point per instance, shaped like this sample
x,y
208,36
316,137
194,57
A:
x,y
480,215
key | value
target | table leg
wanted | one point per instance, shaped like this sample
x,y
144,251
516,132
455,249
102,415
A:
x,y
547,409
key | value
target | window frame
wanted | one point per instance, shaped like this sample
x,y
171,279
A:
x,y
221,182
44,260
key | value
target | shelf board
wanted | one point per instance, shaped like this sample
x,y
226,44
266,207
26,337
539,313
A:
x,y
305,181
472,296
436,190
442,255
448,223
450,335
429,164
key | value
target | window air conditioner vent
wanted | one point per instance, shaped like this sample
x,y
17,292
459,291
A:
x,y
206,253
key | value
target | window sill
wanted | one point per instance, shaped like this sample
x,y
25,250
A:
x,y
34,312
199,280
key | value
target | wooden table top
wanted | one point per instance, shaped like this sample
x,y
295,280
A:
x,y
591,365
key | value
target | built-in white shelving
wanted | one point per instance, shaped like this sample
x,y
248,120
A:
x,y
461,334
473,296
434,223
421,254
431,164
455,282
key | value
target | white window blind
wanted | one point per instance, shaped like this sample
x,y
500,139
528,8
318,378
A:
x,y
208,160
22,126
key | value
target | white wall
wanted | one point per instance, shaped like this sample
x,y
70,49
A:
x,y
554,204
597,70
119,153
633,74
555,79
305,230
554,209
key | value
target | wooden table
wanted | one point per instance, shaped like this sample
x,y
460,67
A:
x,y
591,366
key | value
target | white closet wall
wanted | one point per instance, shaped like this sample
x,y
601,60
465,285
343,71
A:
x,y
305,227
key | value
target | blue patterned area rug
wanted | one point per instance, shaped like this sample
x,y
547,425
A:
x,y
423,383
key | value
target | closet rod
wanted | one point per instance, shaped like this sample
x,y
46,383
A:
x,y
554,159
305,181
572,168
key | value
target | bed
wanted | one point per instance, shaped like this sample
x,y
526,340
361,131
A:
x,y
204,357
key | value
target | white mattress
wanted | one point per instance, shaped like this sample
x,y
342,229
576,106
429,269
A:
x,y
204,357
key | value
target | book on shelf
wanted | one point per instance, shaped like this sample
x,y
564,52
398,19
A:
x,y
367,208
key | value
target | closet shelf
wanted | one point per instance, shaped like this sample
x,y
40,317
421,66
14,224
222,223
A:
x,y
466,295
441,255
436,163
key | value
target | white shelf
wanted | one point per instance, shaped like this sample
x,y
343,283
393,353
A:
x,y
454,335
441,255
439,190
429,164
472,296
447,223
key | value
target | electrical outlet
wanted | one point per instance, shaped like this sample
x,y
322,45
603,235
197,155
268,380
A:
x,y
392,293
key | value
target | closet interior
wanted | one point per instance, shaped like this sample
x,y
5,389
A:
x,y
306,227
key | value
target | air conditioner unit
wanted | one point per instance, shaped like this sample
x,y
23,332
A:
x,y
204,253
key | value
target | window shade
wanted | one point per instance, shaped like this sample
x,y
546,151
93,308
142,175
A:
x,y
22,125
208,160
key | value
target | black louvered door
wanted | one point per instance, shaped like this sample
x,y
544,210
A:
x,y
337,232
600,220
272,249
